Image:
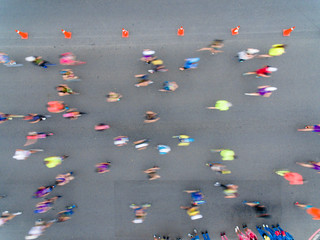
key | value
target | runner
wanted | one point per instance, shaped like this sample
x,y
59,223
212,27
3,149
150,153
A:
x,y
314,128
66,214
35,118
169,86
63,179
103,167
263,72
33,137
21,154
184,140
293,177
54,161
38,229
140,212
264,91
190,63
72,114
113,97
56,106
311,164
121,141
148,56
65,90
152,173
141,144
275,50
163,149
222,105
43,191
45,206
226,154
314,212
248,54
6,216
214,47
260,209
101,127
151,117
37,60
144,80
218,167
230,190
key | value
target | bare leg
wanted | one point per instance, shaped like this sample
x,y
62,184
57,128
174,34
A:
x,y
252,94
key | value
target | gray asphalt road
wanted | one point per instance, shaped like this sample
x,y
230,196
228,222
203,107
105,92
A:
x,y
261,131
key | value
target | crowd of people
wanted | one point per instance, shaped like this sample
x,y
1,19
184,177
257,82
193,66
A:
x,y
197,197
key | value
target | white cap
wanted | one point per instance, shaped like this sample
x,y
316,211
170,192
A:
x,y
271,89
148,52
30,59
252,51
272,69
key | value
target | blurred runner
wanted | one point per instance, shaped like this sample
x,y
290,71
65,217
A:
x,y
56,106
140,212
69,58
68,75
260,209
263,72
310,128
43,191
248,54
63,179
230,190
226,154
33,137
169,86
148,56
113,97
218,167
193,212
264,91
275,50
37,60
222,105
103,167
121,141
152,173
184,140
293,177
35,118
310,164
157,66
5,117
38,229
45,206
314,212
64,90
6,216
190,63
144,80
101,127
72,114
197,197
214,47
66,214
21,154
5,59
163,149
141,144
151,117
54,161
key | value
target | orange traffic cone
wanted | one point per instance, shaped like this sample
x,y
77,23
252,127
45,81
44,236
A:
x,y
235,31
23,35
125,33
180,31
286,32
66,34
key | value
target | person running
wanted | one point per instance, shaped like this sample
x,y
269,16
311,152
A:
x,y
152,173
103,167
169,86
193,212
184,140
38,229
310,128
39,61
113,97
151,117
264,91
64,90
314,212
148,56
248,54
56,106
4,117
45,206
214,47
66,214
5,59
190,63
222,105
144,80
163,149
157,66
293,177
197,197
72,114
68,75
33,137
310,164
275,50
140,212
63,179
264,235
101,127
43,191
21,154
250,234
263,72
226,154
54,161
218,167
6,216
121,141
34,117
230,190
141,144
241,235
260,209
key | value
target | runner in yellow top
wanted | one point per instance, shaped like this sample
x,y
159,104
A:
x,y
222,105
54,161
226,154
275,50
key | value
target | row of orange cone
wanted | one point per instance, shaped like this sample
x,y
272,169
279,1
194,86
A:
x,y
180,32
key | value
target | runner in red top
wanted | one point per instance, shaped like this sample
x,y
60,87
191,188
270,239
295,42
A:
x,y
263,72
